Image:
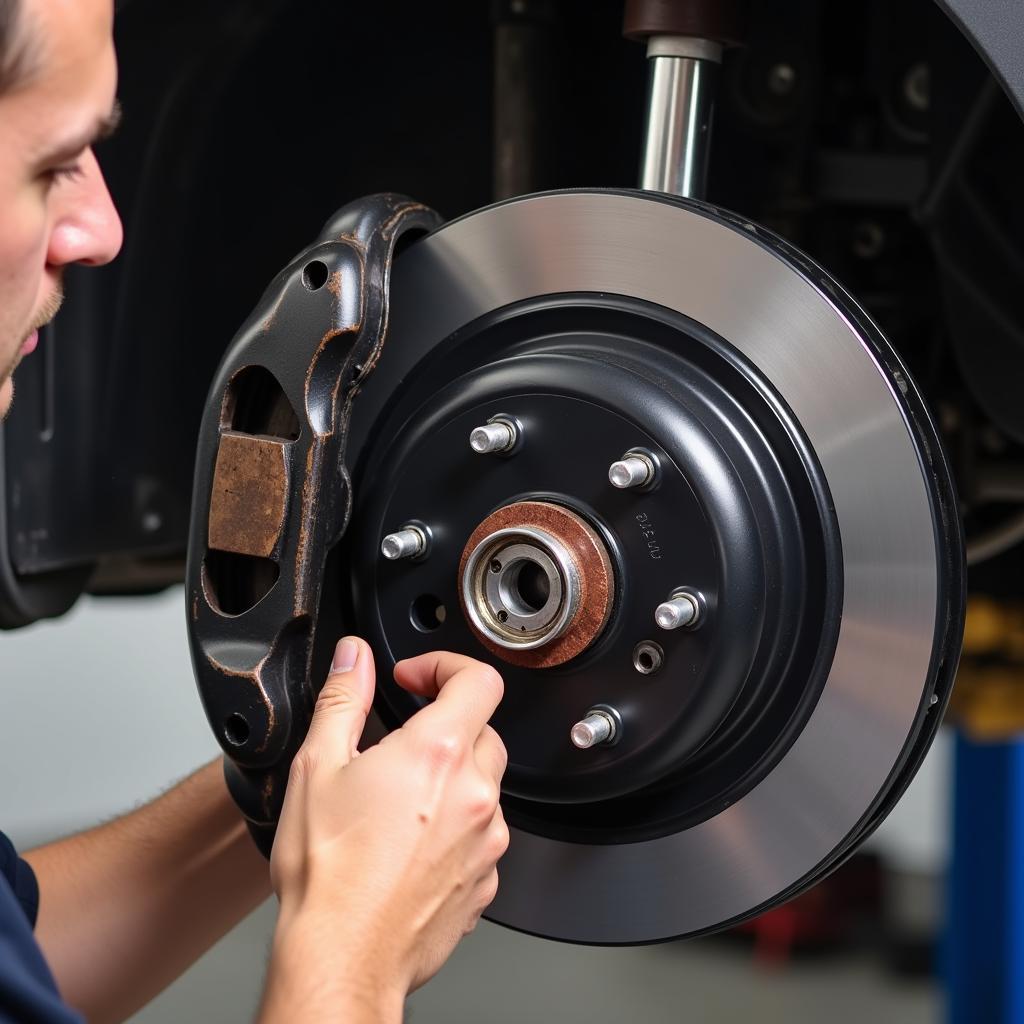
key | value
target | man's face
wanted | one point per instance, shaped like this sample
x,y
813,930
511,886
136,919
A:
x,y
54,204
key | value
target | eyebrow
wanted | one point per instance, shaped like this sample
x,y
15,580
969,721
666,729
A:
x,y
102,128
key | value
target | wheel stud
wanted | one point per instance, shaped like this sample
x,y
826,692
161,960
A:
x,y
597,727
681,609
497,436
632,470
408,542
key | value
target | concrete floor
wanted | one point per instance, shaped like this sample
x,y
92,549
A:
x,y
500,977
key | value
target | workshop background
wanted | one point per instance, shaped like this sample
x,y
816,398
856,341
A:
x,y
130,723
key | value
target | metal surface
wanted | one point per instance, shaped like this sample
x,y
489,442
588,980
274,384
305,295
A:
x,y
680,102
535,583
289,377
648,657
408,542
994,30
498,436
631,471
491,592
596,727
679,610
898,609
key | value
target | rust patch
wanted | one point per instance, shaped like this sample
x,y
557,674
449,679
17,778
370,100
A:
x,y
597,580
249,497
403,211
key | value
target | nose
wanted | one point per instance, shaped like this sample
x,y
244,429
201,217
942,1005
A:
x,y
87,228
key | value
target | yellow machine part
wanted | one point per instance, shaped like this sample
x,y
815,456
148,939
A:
x,y
988,698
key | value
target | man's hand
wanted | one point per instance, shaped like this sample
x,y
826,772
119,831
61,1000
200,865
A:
x,y
384,860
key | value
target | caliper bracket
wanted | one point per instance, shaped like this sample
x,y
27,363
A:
x,y
273,494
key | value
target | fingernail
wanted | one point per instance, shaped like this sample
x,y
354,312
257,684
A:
x,y
346,654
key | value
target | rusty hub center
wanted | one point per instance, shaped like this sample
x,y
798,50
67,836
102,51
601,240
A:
x,y
536,584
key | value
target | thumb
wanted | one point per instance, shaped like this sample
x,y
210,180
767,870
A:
x,y
344,702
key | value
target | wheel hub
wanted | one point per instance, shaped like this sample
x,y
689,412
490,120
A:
x,y
536,584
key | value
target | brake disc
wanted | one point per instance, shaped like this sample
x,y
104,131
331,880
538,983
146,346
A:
x,y
723,668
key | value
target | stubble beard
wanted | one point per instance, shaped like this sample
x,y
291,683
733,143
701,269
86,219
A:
x,y
47,312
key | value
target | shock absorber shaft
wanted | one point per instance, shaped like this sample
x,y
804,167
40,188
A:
x,y
680,100
685,40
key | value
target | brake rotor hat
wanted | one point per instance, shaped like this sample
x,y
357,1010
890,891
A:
x,y
722,669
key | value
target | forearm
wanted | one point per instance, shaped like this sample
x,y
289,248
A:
x,y
314,979
126,907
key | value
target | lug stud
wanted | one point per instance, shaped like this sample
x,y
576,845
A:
x,y
681,609
597,727
632,470
409,542
497,436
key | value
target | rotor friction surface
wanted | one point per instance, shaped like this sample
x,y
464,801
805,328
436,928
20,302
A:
x,y
902,561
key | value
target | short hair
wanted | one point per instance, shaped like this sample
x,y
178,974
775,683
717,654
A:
x,y
17,55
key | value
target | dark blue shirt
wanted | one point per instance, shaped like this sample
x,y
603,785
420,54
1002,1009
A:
x,y
28,993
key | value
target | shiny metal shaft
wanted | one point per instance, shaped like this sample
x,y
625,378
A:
x,y
680,98
408,542
498,436
631,471
597,727
678,610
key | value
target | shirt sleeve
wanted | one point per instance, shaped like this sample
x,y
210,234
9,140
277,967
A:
x,y
28,992
21,878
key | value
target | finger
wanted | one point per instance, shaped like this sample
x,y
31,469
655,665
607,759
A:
x,y
491,756
427,674
468,692
344,702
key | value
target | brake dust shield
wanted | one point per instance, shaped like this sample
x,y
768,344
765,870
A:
x,y
796,496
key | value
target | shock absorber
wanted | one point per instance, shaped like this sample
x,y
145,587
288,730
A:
x,y
685,40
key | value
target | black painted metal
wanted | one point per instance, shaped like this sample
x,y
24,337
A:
x,y
741,514
318,331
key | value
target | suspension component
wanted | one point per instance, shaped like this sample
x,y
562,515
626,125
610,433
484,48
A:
x,y
685,39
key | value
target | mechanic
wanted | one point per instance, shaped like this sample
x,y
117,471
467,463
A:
x,y
382,861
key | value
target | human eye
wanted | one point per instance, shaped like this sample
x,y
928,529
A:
x,y
65,172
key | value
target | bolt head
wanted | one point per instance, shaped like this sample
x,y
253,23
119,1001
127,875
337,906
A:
x,y
648,657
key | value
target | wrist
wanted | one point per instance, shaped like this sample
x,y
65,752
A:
x,y
324,966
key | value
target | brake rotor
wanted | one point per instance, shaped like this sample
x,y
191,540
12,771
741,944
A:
x,y
705,528
796,492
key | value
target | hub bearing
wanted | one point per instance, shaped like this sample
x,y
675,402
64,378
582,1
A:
x,y
537,584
